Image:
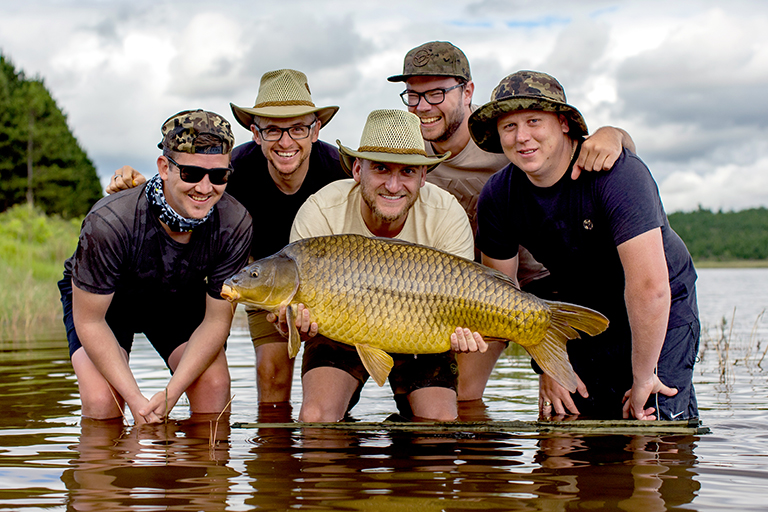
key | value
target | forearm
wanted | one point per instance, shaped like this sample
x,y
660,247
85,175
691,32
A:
x,y
648,312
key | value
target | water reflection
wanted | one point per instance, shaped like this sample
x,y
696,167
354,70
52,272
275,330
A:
x,y
175,466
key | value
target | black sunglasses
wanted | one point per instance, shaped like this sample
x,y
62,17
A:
x,y
195,174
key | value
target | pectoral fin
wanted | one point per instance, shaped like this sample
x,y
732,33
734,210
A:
x,y
376,361
294,338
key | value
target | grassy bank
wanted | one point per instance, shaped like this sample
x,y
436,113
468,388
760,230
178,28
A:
x,y
33,247
731,264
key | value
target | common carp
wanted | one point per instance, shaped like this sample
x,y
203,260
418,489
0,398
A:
x,y
385,295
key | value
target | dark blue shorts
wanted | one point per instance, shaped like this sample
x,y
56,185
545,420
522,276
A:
x,y
167,324
408,374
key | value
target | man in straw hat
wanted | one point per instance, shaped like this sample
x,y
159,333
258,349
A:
x,y
168,245
388,196
605,239
274,174
439,91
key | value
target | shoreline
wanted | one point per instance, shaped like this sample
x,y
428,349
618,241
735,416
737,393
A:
x,y
731,264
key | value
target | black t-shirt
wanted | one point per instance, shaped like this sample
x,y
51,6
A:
x,y
272,210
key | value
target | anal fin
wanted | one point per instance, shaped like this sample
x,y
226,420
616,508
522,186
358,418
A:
x,y
377,362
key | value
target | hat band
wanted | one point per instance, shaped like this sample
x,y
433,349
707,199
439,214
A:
x,y
397,151
286,103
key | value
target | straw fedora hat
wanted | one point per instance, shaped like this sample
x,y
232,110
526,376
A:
x,y
392,136
283,93
524,90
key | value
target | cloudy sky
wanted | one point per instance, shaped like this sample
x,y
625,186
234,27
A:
x,y
687,78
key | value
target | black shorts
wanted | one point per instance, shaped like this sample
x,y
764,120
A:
x,y
409,373
167,325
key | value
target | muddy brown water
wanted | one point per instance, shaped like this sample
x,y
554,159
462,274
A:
x,y
50,459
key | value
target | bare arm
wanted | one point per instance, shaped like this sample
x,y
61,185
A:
x,y
124,178
601,150
89,313
202,348
647,296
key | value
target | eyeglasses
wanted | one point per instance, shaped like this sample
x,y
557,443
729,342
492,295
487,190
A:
x,y
195,174
433,96
296,132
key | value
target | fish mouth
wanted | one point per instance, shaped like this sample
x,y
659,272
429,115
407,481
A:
x,y
229,293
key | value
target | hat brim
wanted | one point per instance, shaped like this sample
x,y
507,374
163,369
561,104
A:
x,y
404,78
482,122
347,157
244,115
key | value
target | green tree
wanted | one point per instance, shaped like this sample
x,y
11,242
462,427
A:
x,y
35,140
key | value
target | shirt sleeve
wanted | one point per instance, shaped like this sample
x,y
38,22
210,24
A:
x,y
631,199
100,256
233,254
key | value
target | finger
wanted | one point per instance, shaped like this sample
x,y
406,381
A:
x,y
576,172
667,391
313,329
271,318
482,345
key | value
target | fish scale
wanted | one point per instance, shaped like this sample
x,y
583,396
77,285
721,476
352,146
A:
x,y
385,295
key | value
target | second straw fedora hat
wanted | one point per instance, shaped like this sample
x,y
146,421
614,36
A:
x,y
392,136
283,93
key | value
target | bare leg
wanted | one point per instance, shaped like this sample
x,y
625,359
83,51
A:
x,y
434,403
327,392
210,393
274,372
100,400
474,370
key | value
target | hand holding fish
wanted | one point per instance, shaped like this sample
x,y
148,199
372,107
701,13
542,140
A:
x,y
306,327
464,340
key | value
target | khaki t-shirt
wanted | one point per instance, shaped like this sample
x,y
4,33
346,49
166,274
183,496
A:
x,y
436,219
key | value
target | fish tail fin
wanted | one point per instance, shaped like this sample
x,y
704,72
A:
x,y
551,354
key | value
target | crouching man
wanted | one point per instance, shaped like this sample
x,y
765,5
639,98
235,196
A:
x,y
168,246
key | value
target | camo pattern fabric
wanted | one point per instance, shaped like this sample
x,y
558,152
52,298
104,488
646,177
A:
x,y
524,90
181,130
436,58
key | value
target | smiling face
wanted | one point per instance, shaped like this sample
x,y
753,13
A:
x,y
287,158
538,143
440,122
388,190
191,200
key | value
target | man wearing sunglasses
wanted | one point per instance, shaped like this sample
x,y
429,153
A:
x,y
439,89
275,173
152,260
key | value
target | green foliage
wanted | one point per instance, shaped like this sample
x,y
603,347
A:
x,y
33,248
64,180
723,236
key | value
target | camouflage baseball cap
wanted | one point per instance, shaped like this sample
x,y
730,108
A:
x,y
524,90
436,58
181,130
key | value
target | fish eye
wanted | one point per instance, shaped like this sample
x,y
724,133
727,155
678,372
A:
x,y
254,273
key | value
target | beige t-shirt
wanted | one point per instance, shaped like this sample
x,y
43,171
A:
x,y
436,219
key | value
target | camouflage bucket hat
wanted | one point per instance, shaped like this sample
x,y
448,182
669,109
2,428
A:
x,y
524,90
283,93
181,130
392,136
436,58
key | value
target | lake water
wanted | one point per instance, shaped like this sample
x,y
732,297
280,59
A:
x,y
51,460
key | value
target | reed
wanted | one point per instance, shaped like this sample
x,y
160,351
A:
x,y
33,247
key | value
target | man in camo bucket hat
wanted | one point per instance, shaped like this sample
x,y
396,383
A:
x,y
387,196
524,90
167,245
608,245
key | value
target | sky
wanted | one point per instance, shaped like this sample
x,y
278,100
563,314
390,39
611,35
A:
x,y
688,79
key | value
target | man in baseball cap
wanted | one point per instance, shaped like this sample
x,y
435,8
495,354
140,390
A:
x,y
275,173
439,89
607,243
167,245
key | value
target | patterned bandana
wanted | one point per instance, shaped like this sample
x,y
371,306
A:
x,y
167,214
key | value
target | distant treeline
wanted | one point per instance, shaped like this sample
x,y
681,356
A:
x,y
723,236
41,161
